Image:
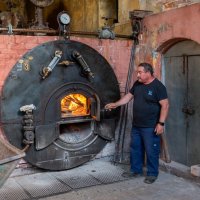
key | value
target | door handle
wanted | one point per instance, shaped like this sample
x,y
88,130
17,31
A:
x,y
188,110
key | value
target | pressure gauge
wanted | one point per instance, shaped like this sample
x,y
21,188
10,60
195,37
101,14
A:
x,y
64,24
64,18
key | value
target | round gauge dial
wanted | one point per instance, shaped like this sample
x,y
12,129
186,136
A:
x,y
64,18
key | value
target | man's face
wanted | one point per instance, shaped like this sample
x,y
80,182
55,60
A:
x,y
142,76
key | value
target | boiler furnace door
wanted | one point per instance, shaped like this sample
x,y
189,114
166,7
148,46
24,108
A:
x,y
64,136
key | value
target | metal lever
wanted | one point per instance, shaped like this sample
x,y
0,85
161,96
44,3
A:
x,y
47,70
79,58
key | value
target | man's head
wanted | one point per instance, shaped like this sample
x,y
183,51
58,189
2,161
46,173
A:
x,y
145,73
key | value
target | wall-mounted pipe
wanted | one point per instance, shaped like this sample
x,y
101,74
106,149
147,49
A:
x,y
55,32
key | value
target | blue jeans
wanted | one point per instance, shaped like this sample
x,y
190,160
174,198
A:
x,y
145,140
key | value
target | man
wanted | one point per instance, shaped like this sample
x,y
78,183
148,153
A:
x,y
150,109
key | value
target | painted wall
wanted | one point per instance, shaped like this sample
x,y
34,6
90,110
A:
x,y
162,30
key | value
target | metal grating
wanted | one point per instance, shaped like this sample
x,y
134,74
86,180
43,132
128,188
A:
x,y
77,179
12,191
104,171
42,184
108,176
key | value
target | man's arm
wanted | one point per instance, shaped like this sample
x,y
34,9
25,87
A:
x,y
124,100
163,115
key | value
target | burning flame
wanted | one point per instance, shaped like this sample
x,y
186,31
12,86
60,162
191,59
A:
x,y
74,105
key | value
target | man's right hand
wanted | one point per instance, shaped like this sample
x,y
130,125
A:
x,y
124,100
110,106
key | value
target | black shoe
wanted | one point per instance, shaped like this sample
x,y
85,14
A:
x,y
150,179
131,174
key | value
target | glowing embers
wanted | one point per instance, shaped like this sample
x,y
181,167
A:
x,y
74,105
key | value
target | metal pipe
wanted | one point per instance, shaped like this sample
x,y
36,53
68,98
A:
x,y
52,31
27,30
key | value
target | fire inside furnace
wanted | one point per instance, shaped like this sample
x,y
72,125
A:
x,y
74,105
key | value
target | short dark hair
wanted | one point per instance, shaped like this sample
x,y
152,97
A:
x,y
147,67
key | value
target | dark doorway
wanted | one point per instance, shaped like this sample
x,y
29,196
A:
x,y
182,78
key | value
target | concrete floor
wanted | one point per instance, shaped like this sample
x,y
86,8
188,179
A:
x,y
99,179
167,187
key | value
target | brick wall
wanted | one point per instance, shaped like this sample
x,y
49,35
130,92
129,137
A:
x,y
117,52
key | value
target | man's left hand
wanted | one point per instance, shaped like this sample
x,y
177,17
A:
x,y
159,129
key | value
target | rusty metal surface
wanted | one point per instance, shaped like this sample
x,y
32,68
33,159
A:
x,y
9,158
73,141
8,152
42,3
5,171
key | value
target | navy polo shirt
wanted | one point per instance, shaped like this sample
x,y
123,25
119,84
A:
x,y
146,107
